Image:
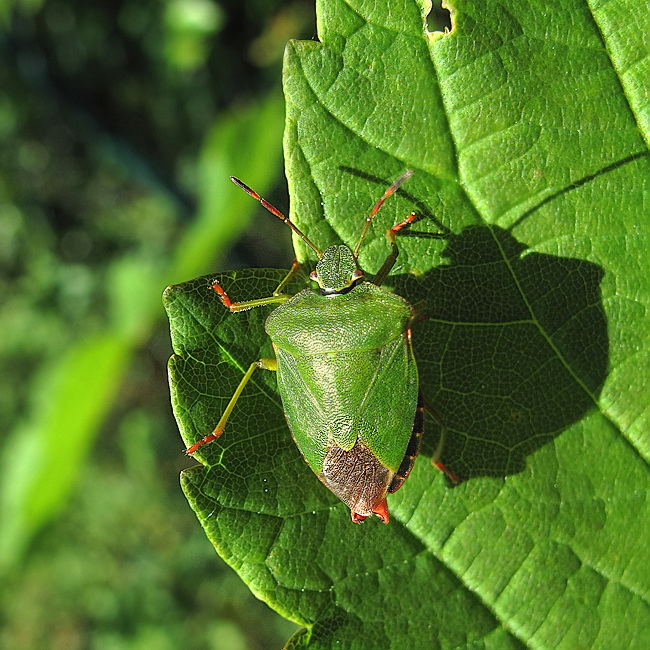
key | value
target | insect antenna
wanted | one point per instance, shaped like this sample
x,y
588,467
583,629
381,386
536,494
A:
x,y
391,190
273,210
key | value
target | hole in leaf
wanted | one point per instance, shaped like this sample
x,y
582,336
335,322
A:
x,y
439,18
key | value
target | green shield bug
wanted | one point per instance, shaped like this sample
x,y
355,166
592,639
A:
x,y
346,372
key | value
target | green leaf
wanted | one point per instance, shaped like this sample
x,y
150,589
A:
x,y
526,128
224,211
42,461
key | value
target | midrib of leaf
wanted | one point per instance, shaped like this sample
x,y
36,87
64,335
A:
x,y
542,331
611,62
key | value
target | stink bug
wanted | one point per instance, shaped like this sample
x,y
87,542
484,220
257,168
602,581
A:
x,y
346,371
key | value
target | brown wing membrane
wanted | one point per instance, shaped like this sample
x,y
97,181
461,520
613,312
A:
x,y
361,481
358,479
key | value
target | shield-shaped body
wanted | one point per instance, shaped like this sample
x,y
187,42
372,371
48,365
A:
x,y
349,387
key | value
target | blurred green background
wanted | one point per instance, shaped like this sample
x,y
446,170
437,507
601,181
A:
x,y
120,124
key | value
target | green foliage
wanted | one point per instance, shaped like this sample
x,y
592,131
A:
x,y
527,131
135,571
55,441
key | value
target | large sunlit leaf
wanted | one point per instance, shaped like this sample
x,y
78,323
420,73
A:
x,y
526,127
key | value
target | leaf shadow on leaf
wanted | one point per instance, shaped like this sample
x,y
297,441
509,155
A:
x,y
514,349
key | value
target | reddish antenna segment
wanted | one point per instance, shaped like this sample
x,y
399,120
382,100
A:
x,y
391,190
273,210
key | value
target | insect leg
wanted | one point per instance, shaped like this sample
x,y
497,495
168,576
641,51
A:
x,y
392,256
412,449
389,192
295,267
435,459
277,296
265,364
